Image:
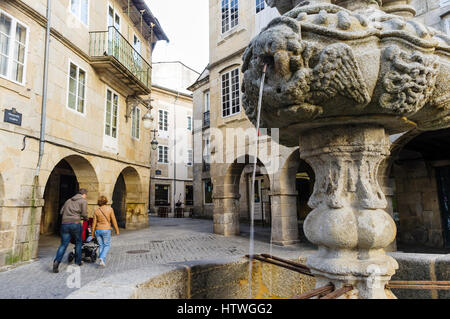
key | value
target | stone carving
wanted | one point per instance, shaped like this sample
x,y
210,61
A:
x,y
303,75
409,82
341,78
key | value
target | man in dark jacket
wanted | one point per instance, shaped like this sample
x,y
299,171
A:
x,y
73,213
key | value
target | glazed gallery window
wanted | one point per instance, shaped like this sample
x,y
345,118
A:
x,y
163,155
13,48
208,191
260,5
163,121
80,8
77,89
162,194
136,123
112,108
231,100
230,14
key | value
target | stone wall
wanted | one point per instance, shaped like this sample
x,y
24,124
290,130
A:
x,y
418,204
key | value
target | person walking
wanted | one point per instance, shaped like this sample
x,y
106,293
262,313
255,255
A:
x,y
74,212
101,228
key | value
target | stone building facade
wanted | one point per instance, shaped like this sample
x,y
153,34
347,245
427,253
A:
x,y
99,80
416,195
172,172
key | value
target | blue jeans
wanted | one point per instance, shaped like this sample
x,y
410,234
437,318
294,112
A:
x,y
104,240
69,231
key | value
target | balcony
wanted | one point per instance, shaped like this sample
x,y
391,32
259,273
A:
x,y
206,119
118,63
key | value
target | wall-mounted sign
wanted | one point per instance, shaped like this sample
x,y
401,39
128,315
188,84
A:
x,y
13,117
158,173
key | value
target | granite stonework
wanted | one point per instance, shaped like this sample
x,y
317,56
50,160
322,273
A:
x,y
342,77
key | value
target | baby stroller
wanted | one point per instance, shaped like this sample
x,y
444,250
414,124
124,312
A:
x,y
90,246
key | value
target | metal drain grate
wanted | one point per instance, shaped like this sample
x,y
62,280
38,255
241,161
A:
x,y
138,252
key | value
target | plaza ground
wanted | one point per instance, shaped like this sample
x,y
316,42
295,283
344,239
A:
x,y
165,242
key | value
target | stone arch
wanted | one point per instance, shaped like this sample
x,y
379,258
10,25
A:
x,y
289,201
418,175
227,194
70,174
128,200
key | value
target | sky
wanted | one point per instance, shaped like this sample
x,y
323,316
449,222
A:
x,y
186,23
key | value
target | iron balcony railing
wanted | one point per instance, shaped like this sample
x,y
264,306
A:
x,y
206,119
112,43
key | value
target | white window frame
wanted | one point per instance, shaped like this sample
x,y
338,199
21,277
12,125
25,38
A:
x,y
261,5
115,12
78,13
136,119
76,97
190,157
228,21
165,123
12,42
111,142
230,94
165,160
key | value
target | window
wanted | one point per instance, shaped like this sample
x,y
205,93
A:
x,y
230,93
136,123
77,89
190,157
113,18
230,14
163,155
208,191
112,107
80,8
207,150
163,121
260,5
189,123
162,195
207,102
13,48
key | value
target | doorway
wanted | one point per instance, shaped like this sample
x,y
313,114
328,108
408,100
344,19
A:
x,y
443,177
119,201
61,186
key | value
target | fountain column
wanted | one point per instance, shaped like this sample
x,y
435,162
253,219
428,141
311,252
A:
x,y
349,223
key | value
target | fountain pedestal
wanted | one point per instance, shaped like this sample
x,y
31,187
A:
x,y
349,223
341,76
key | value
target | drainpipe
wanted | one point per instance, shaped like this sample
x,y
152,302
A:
x,y
44,93
175,151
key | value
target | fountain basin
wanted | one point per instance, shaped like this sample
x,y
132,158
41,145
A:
x,y
228,279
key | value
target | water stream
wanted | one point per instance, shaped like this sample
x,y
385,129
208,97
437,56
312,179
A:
x,y
252,190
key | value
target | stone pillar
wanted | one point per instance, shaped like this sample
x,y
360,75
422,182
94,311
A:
x,y
284,219
226,215
349,222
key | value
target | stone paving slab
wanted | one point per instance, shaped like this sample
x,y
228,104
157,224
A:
x,y
167,241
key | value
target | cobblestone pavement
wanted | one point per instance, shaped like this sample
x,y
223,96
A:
x,y
167,241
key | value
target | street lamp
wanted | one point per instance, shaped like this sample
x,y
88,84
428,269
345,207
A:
x,y
154,143
147,120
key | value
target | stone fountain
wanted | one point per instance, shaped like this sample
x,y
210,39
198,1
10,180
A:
x,y
342,77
